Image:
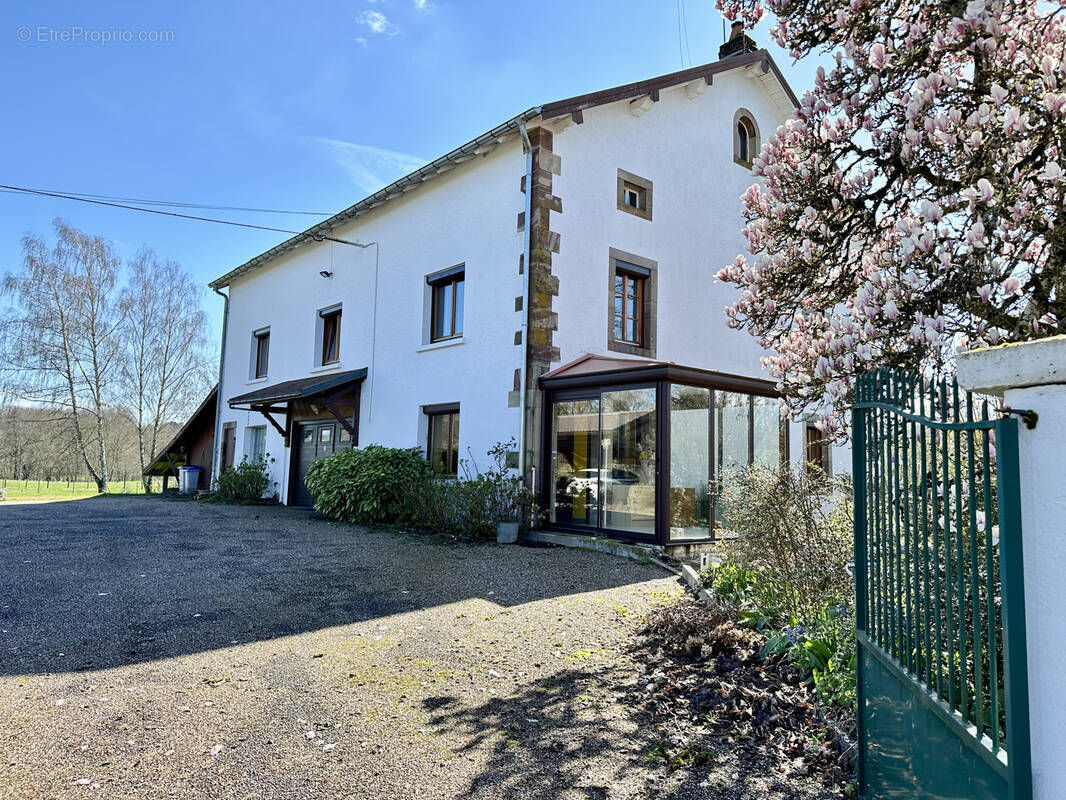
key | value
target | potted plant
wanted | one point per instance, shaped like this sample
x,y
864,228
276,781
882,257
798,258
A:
x,y
510,502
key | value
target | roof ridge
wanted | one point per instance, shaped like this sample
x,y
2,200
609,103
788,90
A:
x,y
481,144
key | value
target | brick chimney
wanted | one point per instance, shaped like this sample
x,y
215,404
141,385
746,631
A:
x,y
738,42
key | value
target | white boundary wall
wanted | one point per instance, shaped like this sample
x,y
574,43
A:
x,y
1032,376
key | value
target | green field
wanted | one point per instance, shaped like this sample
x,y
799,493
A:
x,y
63,490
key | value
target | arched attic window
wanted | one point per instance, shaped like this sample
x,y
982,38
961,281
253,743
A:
x,y
745,138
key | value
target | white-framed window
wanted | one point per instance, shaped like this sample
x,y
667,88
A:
x,y
255,442
634,194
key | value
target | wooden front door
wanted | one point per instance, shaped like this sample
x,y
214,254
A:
x,y
313,440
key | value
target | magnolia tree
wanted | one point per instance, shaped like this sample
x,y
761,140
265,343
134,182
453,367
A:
x,y
914,205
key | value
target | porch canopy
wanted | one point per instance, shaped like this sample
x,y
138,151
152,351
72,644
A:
x,y
641,450
304,396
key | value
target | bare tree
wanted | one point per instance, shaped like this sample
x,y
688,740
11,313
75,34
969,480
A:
x,y
165,363
60,337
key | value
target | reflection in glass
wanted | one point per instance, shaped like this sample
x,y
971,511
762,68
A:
x,y
769,432
690,428
731,434
627,479
575,462
457,325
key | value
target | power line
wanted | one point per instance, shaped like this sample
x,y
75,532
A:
x,y
61,196
680,46
684,25
176,204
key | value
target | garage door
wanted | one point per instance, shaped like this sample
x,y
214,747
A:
x,y
314,440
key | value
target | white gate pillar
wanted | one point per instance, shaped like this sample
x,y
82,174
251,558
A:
x,y
1032,377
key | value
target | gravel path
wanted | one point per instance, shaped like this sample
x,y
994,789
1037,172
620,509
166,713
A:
x,y
162,648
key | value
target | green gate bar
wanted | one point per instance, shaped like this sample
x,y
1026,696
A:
x,y
943,694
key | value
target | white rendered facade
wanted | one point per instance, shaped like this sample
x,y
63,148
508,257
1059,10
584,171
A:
x,y
471,211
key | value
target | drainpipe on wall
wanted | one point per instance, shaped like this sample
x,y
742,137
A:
x,y
374,327
216,456
523,380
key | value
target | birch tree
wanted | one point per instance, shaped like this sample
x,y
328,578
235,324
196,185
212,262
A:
x,y
60,337
165,363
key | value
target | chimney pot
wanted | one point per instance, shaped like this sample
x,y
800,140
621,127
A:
x,y
737,43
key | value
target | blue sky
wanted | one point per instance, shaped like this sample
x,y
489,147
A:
x,y
303,106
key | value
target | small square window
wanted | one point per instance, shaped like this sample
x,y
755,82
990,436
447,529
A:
x,y
634,194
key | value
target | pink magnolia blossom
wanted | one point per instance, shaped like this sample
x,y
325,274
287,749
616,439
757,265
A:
x,y
912,206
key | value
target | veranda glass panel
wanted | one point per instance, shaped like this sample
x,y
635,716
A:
x,y
575,462
769,436
690,462
731,436
627,478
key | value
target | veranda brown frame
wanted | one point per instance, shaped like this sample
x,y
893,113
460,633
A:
x,y
662,377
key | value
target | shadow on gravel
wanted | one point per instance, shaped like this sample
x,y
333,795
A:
x,y
111,581
581,735
545,742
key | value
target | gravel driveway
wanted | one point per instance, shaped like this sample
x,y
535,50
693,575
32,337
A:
x,y
165,648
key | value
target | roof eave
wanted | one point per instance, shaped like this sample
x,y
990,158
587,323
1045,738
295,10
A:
x,y
705,71
394,189
468,150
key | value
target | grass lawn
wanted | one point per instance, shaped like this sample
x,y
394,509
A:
x,y
62,490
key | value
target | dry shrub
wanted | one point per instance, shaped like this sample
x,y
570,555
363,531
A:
x,y
688,628
794,527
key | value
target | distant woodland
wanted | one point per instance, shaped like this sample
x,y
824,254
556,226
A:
x,y
38,445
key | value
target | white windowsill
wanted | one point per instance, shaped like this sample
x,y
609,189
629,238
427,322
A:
x,y
254,381
327,367
441,344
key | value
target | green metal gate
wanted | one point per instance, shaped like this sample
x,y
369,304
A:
x,y
943,695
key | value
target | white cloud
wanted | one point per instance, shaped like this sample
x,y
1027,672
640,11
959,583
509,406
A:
x,y
377,23
370,168
422,5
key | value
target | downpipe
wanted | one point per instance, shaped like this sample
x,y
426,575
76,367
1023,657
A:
x,y
217,454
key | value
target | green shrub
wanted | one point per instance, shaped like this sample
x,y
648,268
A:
x,y
247,482
472,506
371,484
824,646
455,506
755,594
376,484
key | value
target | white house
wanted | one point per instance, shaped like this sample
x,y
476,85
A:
x,y
551,280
